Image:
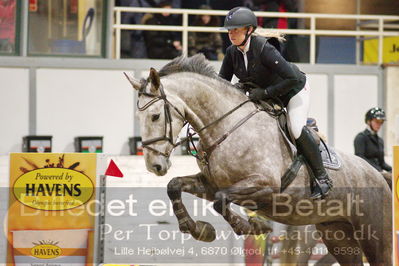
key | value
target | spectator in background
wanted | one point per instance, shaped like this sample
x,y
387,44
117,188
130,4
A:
x,y
276,6
207,43
7,25
225,4
194,4
289,49
176,3
132,42
162,44
369,146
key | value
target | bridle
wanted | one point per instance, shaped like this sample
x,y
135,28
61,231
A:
x,y
168,121
168,118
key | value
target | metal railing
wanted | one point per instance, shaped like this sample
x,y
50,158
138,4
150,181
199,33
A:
x,y
383,29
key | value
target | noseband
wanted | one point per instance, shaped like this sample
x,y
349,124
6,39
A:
x,y
168,118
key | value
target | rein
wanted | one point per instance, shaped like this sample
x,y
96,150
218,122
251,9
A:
x,y
189,137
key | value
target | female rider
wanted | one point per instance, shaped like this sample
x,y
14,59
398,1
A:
x,y
253,59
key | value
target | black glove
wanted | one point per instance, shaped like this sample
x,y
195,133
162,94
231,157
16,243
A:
x,y
258,94
239,86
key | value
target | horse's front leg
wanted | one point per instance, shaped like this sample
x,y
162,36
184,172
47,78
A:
x,y
250,193
192,184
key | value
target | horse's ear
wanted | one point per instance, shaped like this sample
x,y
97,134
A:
x,y
135,83
155,80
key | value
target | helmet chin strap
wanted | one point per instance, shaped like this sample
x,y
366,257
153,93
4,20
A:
x,y
247,34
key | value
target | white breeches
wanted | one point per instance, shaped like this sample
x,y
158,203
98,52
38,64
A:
x,y
297,109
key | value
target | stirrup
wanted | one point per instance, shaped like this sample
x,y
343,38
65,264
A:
x,y
318,191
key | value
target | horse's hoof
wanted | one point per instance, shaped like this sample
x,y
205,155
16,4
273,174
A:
x,y
206,231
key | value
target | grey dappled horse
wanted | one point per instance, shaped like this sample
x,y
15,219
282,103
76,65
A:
x,y
242,158
298,245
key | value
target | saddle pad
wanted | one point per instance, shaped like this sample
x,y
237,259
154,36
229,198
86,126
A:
x,y
329,156
330,160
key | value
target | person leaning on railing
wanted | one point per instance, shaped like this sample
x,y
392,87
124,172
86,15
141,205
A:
x,y
289,49
207,43
132,42
162,44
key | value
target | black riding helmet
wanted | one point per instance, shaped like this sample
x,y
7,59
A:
x,y
240,17
375,112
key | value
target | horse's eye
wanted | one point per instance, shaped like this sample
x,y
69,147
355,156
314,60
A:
x,y
155,117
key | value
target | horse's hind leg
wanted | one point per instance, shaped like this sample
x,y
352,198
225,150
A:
x,y
341,243
191,184
388,177
375,242
373,227
298,245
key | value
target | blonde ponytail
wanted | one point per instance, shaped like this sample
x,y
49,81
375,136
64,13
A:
x,y
269,34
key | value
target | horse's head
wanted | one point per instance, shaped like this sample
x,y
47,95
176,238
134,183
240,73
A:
x,y
161,119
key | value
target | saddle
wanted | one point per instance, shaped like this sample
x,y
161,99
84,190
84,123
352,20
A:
x,y
329,156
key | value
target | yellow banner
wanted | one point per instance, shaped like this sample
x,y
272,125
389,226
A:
x,y
50,214
390,53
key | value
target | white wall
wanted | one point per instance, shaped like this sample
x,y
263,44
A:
x,y
14,108
73,102
81,102
353,96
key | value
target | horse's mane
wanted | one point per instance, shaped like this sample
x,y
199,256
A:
x,y
196,64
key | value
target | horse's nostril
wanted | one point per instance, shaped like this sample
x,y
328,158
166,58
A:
x,y
157,167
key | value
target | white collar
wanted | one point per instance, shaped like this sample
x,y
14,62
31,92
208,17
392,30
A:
x,y
246,47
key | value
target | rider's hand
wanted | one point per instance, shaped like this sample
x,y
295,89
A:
x,y
258,94
240,86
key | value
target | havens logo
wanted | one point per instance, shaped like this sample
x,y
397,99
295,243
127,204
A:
x,y
46,250
53,189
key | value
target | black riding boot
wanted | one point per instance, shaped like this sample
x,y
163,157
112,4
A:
x,y
308,148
